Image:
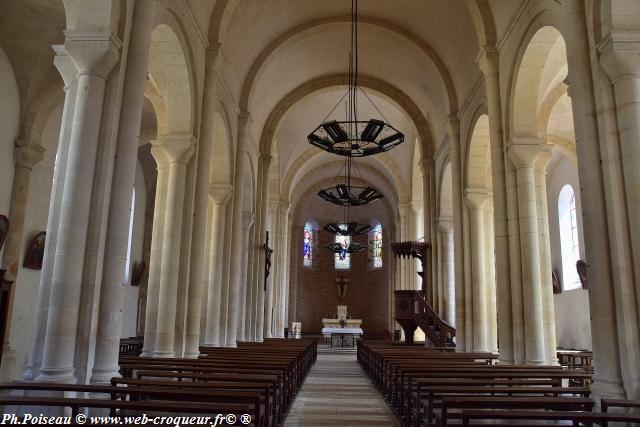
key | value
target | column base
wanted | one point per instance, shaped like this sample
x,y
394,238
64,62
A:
x,y
165,354
190,355
7,371
535,362
53,375
103,376
602,388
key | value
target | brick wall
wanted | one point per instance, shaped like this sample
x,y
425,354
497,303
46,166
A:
x,y
317,295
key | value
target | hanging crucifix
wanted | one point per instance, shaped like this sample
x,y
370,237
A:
x,y
267,259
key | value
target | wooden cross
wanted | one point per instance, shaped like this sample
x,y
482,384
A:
x,y
267,259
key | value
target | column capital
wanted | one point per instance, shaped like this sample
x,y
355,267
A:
x,y
404,209
284,205
544,157
27,155
426,164
177,147
445,224
212,55
247,220
65,65
453,126
524,152
476,197
220,192
265,160
620,55
488,61
94,53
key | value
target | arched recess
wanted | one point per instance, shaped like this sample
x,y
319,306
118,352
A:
x,y
540,115
170,73
289,35
481,236
399,97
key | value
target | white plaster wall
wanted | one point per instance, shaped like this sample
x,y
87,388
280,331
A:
x,y
572,314
26,288
9,122
131,293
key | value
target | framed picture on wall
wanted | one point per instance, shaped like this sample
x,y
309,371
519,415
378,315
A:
x,y
35,252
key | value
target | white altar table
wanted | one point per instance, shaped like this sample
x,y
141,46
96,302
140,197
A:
x,y
328,331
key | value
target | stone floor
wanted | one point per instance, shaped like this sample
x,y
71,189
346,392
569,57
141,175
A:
x,y
337,392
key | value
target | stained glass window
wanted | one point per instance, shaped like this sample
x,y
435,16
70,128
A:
x,y
307,245
342,260
375,246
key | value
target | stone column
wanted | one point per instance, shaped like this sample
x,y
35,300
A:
x,y
490,276
462,341
178,149
220,194
448,279
25,156
489,64
247,222
111,292
427,167
94,56
524,156
548,312
282,289
155,255
258,288
67,70
235,279
196,270
270,294
614,312
475,201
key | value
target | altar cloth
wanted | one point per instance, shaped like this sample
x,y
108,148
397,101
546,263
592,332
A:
x,y
342,331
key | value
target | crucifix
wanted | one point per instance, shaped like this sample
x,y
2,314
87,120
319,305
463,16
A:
x,y
341,285
267,259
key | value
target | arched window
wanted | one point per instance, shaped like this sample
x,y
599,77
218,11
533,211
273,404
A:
x,y
569,244
308,242
342,260
127,265
375,246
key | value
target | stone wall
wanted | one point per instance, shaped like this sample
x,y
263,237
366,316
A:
x,y
317,294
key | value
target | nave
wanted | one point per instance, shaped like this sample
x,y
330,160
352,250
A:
x,y
186,177
337,392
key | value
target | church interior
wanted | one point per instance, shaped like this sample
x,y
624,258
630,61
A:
x,y
338,212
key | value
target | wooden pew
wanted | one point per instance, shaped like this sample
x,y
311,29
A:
x,y
478,417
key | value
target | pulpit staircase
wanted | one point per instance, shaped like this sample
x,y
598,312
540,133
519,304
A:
x,y
412,310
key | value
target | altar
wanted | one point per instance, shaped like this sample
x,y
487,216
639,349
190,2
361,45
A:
x,y
341,320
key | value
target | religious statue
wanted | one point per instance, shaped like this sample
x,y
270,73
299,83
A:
x,y
581,267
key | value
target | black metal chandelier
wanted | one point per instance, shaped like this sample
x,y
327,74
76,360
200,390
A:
x,y
353,137
346,194
347,228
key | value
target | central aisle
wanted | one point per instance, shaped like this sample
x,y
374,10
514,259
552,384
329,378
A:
x,y
337,392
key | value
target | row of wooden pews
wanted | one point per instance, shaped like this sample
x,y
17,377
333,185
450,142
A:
x,y
437,386
258,379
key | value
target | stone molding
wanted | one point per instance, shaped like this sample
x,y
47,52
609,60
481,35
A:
x,y
476,197
92,53
27,155
220,193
